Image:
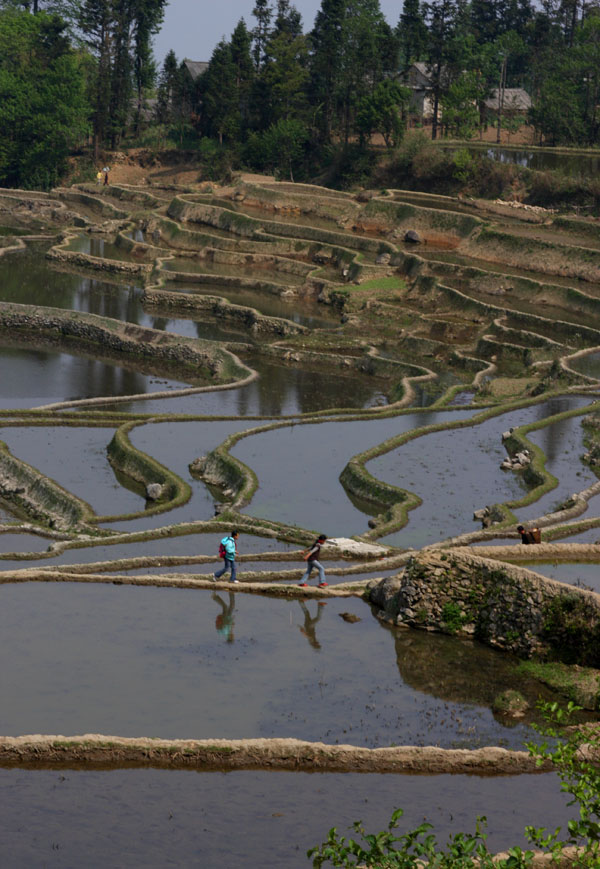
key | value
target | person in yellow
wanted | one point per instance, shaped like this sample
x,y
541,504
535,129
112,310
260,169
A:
x,y
98,177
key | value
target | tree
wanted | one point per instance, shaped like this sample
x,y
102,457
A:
x,y
167,89
326,52
285,76
118,32
381,112
221,110
244,70
411,33
280,148
260,35
460,116
441,18
43,109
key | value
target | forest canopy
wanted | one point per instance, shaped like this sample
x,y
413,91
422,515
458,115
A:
x,y
276,96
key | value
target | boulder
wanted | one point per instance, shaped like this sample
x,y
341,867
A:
x,y
154,491
413,236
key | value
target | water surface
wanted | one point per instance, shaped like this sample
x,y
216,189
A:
x,y
137,661
167,818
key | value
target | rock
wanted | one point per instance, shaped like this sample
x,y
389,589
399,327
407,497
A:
x,y
198,465
413,236
154,491
383,259
384,593
349,617
507,434
511,704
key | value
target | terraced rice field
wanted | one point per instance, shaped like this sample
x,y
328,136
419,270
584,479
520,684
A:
x,y
278,359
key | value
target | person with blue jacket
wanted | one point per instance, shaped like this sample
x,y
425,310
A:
x,y
228,552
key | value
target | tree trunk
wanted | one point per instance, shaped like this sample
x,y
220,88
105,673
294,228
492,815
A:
x,y
501,99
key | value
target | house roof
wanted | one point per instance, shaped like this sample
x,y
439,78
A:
x,y
515,99
195,67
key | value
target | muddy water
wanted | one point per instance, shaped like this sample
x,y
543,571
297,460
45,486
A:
x,y
457,472
543,160
160,818
77,459
22,543
589,365
500,268
308,492
195,664
281,390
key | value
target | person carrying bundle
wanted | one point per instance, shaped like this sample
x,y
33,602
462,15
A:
x,y
529,536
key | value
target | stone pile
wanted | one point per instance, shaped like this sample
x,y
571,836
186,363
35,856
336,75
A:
x,y
517,462
458,593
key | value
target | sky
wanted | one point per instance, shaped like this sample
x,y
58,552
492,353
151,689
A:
x,y
192,28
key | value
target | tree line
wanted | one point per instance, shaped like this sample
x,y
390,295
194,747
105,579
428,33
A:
x,y
278,97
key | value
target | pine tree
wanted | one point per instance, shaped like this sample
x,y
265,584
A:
x,y
167,89
411,33
263,14
326,55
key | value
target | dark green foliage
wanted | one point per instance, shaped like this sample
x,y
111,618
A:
x,y
43,110
571,629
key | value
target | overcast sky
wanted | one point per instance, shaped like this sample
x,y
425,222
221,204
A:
x,y
192,28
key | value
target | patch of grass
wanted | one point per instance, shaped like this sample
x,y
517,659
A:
x,y
580,684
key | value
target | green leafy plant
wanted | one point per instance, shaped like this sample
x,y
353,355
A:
x,y
386,850
572,751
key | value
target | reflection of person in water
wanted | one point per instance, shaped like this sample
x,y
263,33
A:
x,y
224,621
308,628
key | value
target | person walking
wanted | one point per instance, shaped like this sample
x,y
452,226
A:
x,y
228,551
311,556
99,177
106,170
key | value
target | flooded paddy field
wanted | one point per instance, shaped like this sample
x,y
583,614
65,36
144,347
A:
x,y
100,247
180,663
301,311
457,472
321,452
161,818
34,377
583,575
256,272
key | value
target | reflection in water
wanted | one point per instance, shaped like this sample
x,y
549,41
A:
x,y
551,437
461,671
310,623
28,279
225,622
